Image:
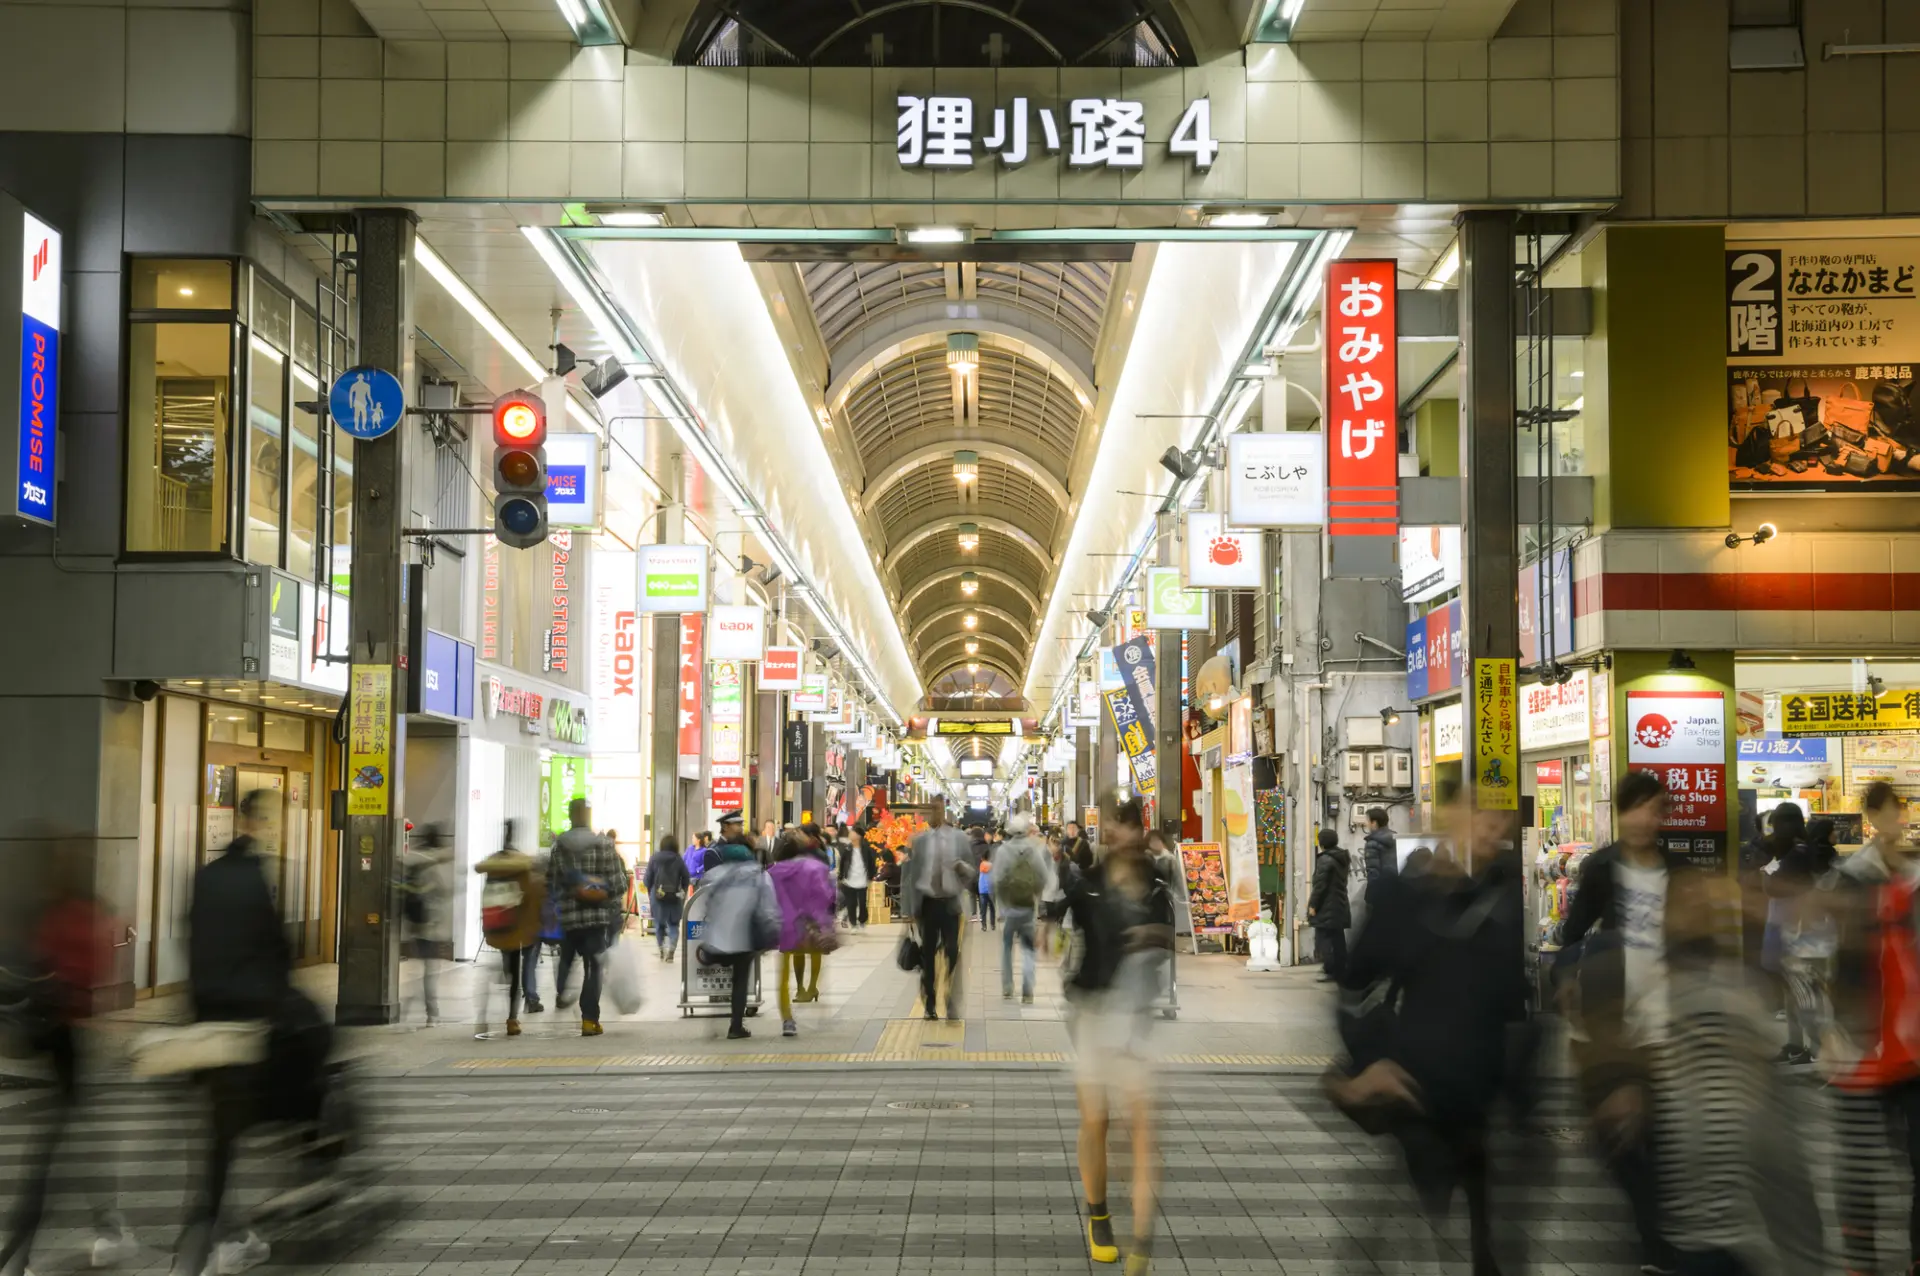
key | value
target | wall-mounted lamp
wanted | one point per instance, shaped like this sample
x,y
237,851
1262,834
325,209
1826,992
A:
x,y
1680,662
1761,535
1390,716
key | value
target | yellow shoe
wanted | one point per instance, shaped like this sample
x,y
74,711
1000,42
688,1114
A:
x,y
1100,1246
590,1028
513,1027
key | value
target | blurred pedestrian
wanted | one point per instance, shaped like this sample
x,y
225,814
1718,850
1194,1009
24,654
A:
x,y
937,878
1123,909
426,908
239,969
667,882
1380,853
803,887
1053,902
859,866
1802,937
585,874
1621,976
739,916
983,887
58,952
511,902
1021,875
1873,1049
1328,912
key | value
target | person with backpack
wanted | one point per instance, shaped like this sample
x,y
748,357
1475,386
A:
x,y
667,882
587,878
1022,876
511,901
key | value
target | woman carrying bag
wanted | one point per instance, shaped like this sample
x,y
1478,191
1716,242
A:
x,y
740,919
803,885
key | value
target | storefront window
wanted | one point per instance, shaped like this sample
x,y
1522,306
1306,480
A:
x,y
182,285
266,443
285,732
303,482
179,395
230,724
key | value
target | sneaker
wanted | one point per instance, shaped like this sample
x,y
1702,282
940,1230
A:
x,y
110,1248
932,1017
1026,999
1006,994
591,1028
788,1028
534,1007
513,1027
563,1002
738,1034
248,1252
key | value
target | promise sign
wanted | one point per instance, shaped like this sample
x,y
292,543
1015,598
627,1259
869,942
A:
x,y
1362,404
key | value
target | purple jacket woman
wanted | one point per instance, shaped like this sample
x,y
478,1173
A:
x,y
804,887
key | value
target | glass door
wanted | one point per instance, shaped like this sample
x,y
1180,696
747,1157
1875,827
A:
x,y
271,836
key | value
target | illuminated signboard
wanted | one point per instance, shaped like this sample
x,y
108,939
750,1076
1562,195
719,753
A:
x,y
30,367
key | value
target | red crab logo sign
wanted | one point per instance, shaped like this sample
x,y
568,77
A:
x,y
1224,551
1221,557
1654,730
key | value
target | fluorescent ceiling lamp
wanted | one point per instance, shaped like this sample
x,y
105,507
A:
x,y
1291,9
589,21
1261,370
632,218
568,271
935,235
1239,221
1445,269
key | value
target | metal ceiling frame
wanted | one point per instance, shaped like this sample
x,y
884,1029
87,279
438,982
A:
x,y
984,573
1000,614
988,450
1019,656
921,533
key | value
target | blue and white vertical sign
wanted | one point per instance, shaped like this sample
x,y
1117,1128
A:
x,y
35,409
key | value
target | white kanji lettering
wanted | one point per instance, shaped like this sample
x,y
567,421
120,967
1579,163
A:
x,y
1366,433
1362,299
949,132
1362,345
1107,133
1049,130
1009,137
1363,387
911,143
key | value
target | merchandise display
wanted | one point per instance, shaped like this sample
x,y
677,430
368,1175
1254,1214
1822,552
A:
x,y
1556,877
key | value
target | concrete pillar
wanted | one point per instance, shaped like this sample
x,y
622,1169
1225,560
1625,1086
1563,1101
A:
x,y
1082,773
664,747
1169,740
369,988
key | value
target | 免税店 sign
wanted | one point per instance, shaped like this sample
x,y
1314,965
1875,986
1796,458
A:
x,y
943,131
1826,713
1362,399
1681,737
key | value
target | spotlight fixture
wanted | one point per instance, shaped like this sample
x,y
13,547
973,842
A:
x,y
969,621
966,467
1680,662
1390,716
973,667
934,234
1098,617
969,537
963,352
969,583
973,648
1215,703
1178,464
1761,535
603,377
746,565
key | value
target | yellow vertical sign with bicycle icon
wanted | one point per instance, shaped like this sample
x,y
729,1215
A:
x,y
1496,735
369,739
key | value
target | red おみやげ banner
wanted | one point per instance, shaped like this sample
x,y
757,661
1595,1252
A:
x,y
1360,313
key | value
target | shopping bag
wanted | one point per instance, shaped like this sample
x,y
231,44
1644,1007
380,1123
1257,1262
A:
x,y
622,976
198,1047
1847,407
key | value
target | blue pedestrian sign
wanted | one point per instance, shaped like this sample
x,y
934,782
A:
x,y
366,402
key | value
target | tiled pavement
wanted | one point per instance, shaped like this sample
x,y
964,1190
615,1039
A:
x,y
801,1172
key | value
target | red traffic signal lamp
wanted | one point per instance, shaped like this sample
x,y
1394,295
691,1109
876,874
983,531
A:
x,y
520,469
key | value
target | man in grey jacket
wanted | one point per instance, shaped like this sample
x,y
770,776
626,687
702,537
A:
x,y
939,873
1022,876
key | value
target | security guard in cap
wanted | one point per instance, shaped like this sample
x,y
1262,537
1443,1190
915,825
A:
x,y
733,832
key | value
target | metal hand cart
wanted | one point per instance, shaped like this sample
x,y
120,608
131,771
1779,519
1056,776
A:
x,y
705,989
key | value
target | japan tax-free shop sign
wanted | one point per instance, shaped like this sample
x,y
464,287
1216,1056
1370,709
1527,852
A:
x,y
29,364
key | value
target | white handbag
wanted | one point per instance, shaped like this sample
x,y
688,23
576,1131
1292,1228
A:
x,y
197,1047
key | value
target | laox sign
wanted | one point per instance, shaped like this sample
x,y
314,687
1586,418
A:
x,y
626,663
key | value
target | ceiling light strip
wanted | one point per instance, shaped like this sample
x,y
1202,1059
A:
x,y
577,277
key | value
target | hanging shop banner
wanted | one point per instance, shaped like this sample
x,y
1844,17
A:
x,y
1823,301
736,633
1243,848
673,579
614,674
489,598
1221,557
1555,716
780,669
691,633
1496,735
573,479
1449,732
1207,899
1135,742
1277,480
1135,658
369,739
1109,671
1170,604
563,576
1546,603
727,712
1600,701
1429,562
812,696
1444,665
30,366
1828,713
1084,710
1417,659
1681,736
1360,312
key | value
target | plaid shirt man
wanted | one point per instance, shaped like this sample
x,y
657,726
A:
x,y
582,852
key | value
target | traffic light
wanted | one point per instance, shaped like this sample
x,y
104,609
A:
x,y
520,469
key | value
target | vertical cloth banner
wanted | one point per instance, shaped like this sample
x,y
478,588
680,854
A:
x,y
692,625
1362,401
1131,705
1496,735
369,739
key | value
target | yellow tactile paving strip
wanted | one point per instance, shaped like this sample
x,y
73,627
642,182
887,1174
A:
x,y
898,1052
